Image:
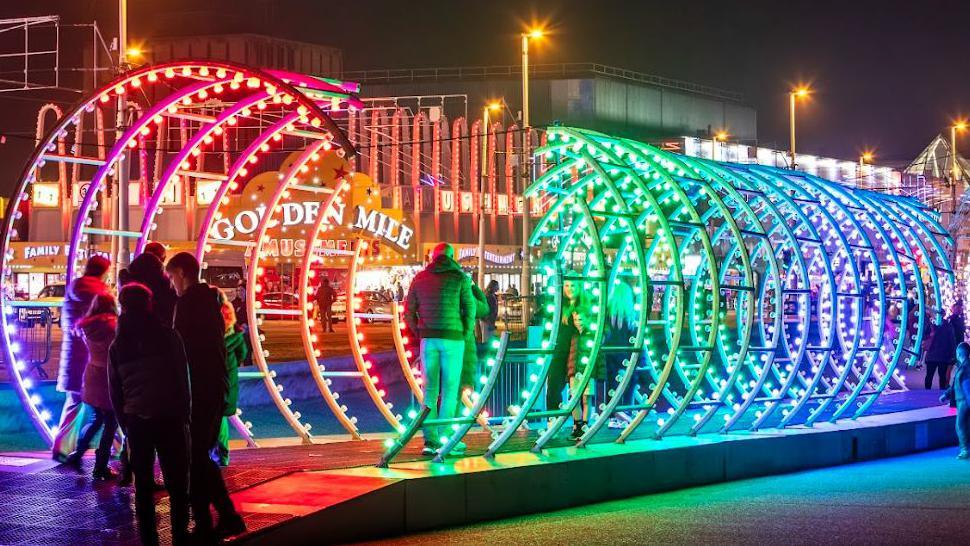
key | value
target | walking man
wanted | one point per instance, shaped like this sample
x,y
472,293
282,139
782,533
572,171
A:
x,y
325,298
440,310
198,319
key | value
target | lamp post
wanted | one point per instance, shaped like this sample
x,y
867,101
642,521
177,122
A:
x,y
795,94
525,284
493,106
958,127
120,244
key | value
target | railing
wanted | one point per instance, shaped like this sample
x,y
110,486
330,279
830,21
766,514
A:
x,y
34,335
419,75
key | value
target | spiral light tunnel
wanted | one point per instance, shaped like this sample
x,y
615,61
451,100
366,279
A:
x,y
736,296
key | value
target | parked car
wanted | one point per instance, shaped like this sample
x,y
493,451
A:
x,y
339,308
374,303
50,294
280,300
371,303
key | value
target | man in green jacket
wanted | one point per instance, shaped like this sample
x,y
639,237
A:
x,y
440,310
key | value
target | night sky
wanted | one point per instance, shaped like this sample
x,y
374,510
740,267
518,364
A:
x,y
887,75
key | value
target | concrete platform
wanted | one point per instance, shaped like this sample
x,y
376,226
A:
x,y
340,505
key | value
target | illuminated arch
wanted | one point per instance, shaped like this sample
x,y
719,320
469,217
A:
x,y
177,90
815,266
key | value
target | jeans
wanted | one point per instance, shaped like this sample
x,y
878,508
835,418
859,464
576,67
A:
x,y
170,438
72,417
102,418
555,383
488,331
963,425
931,369
207,486
442,360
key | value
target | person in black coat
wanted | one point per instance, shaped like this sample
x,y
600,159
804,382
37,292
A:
x,y
198,319
488,322
148,382
325,297
147,269
939,354
959,322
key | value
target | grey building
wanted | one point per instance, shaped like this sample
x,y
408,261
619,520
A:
x,y
594,96
250,49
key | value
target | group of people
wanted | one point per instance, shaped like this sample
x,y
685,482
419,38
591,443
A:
x,y
945,344
442,309
163,370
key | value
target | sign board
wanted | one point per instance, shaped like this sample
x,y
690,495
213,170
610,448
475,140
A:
x,y
45,194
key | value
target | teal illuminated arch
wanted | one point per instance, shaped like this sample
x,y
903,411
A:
x,y
761,296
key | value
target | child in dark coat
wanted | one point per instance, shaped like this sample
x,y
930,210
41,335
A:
x,y
148,378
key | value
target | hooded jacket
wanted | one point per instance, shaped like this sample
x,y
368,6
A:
x,y
198,319
74,353
440,302
147,269
99,333
147,371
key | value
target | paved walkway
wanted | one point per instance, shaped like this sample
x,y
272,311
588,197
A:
x,y
917,499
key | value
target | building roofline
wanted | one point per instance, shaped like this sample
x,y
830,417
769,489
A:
x,y
460,73
266,37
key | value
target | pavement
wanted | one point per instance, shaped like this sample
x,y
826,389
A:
x,y
917,499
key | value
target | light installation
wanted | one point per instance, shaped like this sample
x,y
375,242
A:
x,y
752,296
721,296
208,105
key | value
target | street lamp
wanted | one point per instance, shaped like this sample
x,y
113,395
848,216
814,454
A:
x,y
865,157
958,126
799,92
720,136
525,287
492,106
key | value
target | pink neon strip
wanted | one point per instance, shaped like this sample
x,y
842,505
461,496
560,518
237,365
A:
x,y
176,162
